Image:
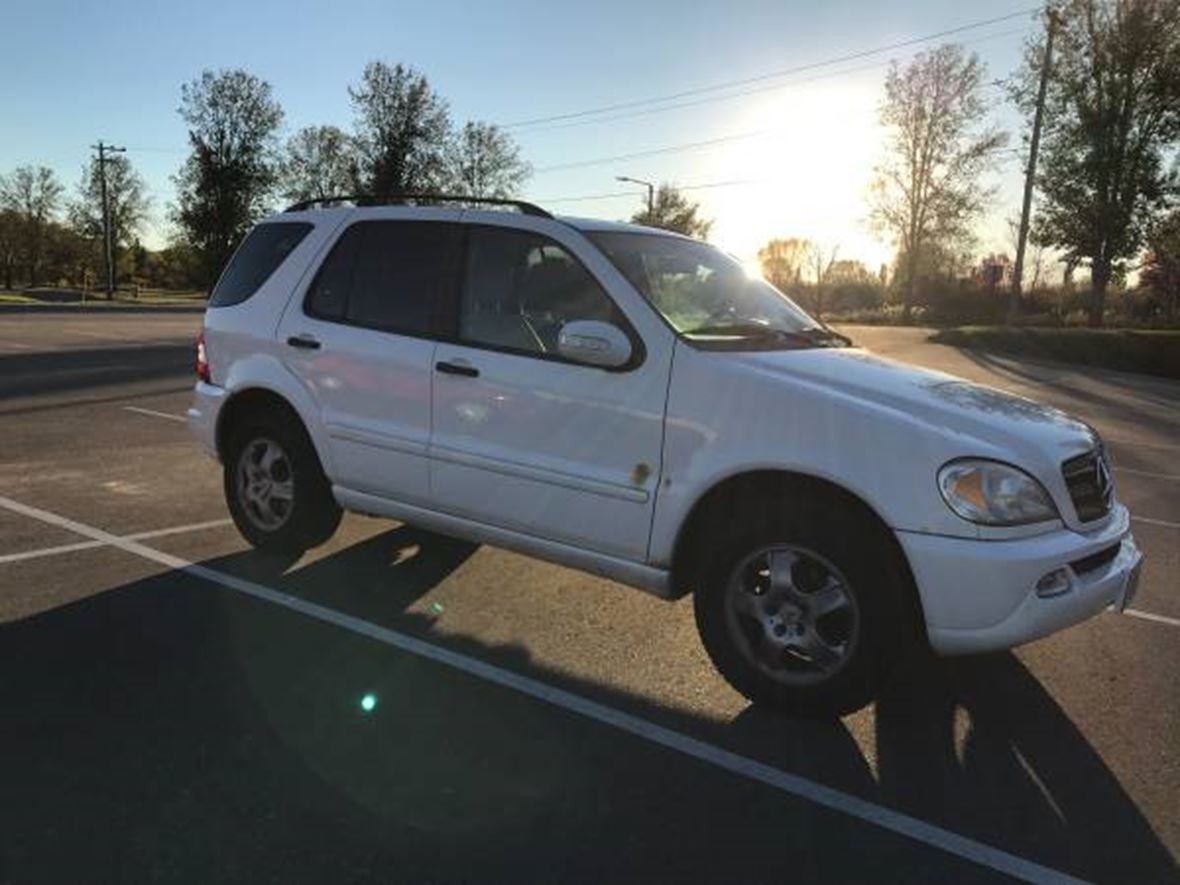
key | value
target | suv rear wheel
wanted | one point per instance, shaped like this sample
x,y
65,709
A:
x,y
275,487
805,612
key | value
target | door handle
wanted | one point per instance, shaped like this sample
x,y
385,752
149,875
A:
x,y
457,369
304,341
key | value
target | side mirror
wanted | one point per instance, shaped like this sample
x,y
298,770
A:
x,y
594,343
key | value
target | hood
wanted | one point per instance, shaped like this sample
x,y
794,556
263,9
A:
x,y
943,402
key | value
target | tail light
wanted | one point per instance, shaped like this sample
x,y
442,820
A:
x,y
203,359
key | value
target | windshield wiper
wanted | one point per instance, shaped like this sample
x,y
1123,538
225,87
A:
x,y
813,335
738,330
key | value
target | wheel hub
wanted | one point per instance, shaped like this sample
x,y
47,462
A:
x,y
792,615
265,484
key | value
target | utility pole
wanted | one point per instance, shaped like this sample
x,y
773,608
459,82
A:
x,y
1030,172
108,246
651,194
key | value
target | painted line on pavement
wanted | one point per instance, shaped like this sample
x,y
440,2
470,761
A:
x,y
92,544
1151,616
1135,443
154,414
1147,473
1149,521
846,803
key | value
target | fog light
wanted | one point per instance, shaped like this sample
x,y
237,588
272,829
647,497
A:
x,y
1053,584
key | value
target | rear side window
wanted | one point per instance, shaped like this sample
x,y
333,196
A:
x,y
385,275
263,250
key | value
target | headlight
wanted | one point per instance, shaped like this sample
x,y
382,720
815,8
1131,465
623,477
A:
x,y
991,493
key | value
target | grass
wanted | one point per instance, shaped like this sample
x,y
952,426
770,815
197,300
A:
x,y
98,300
1149,352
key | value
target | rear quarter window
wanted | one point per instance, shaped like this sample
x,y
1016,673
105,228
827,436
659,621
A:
x,y
261,253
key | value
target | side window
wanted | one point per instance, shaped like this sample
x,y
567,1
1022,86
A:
x,y
329,292
385,275
521,288
260,254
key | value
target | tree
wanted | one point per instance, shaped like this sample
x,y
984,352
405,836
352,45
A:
x,y
224,185
484,161
782,262
929,188
820,261
32,194
1161,266
671,210
320,162
1112,110
402,131
127,203
9,238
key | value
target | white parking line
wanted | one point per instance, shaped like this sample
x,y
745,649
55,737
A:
x,y
1147,473
90,545
153,413
1151,616
1163,522
1133,443
846,803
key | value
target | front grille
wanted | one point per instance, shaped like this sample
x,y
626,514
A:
x,y
1090,487
1095,560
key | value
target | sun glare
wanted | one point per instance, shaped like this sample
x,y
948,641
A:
x,y
810,176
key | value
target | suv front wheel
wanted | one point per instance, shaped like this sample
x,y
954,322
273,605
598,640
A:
x,y
276,490
805,612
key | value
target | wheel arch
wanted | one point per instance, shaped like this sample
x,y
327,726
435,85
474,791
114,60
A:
x,y
715,505
257,400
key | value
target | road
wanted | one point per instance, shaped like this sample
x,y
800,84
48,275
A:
x,y
179,708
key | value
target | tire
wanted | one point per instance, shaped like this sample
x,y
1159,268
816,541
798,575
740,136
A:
x,y
300,511
758,609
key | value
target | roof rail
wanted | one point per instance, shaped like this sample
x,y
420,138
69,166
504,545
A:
x,y
406,199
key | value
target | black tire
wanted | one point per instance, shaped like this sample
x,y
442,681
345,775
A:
x,y
312,515
877,581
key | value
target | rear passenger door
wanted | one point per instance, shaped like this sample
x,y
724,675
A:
x,y
360,340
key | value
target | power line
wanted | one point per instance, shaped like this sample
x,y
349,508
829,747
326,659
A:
x,y
774,87
716,87
708,185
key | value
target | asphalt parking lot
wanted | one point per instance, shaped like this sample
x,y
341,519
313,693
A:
x,y
400,706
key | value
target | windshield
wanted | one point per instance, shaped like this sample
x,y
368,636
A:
x,y
706,295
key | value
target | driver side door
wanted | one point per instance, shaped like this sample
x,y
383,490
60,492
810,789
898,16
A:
x,y
526,439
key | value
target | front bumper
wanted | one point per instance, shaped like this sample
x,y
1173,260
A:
x,y
982,595
202,414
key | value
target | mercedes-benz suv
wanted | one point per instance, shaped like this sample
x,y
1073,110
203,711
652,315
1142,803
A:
x,y
635,404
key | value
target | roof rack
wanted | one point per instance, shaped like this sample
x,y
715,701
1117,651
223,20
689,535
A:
x,y
416,199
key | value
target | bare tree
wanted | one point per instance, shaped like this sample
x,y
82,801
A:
x,y
929,189
32,194
484,161
319,162
820,261
127,203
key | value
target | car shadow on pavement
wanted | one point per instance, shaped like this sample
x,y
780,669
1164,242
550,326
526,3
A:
x,y
171,729
75,369
1134,404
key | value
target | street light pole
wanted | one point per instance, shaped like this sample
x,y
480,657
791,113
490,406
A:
x,y
651,194
1030,173
108,245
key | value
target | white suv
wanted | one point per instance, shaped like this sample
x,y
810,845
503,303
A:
x,y
633,403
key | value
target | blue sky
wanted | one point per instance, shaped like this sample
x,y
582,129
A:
x,y
74,73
